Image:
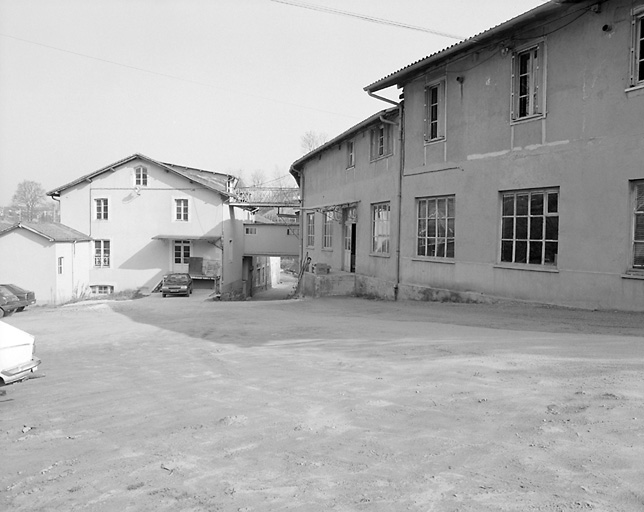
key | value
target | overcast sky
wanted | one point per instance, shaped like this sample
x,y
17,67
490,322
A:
x,y
224,85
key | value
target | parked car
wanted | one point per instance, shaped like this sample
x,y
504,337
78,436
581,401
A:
x,y
8,302
17,354
176,284
26,297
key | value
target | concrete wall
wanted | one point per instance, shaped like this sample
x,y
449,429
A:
x,y
31,262
588,145
138,214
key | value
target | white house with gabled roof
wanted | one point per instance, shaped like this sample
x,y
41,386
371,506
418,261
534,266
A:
x,y
50,259
148,218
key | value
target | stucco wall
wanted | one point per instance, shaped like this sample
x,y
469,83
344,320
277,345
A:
x,y
589,145
271,240
31,262
136,216
327,181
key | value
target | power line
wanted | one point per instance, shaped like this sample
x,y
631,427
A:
x,y
364,17
174,77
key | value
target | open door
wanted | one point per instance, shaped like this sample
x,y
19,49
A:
x,y
350,224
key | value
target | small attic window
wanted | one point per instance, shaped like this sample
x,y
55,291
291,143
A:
x,y
140,176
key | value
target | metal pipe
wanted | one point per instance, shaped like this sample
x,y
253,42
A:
x,y
382,98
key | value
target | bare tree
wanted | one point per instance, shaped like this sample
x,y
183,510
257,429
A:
x,y
257,178
312,140
29,196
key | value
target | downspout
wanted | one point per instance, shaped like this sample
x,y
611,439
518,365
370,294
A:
x,y
382,98
400,180
302,223
400,184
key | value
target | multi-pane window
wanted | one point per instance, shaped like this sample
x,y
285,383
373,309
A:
x,y
101,289
61,261
530,227
310,229
141,176
351,154
638,224
638,47
380,216
251,230
101,208
101,253
181,209
434,99
380,141
327,230
527,83
435,230
182,252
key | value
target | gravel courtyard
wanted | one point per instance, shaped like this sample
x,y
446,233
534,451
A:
x,y
343,404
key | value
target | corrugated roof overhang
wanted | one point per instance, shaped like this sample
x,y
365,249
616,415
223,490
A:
x,y
407,73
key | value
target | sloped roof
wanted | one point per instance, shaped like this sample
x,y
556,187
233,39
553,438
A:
x,y
52,231
402,75
344,135
212,180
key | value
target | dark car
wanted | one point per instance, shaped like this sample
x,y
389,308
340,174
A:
x,y
26,297
8,302
176,284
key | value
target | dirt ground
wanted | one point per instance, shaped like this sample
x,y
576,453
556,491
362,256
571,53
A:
x,y
342,404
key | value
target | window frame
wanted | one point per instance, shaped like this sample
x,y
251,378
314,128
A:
x,y
97,289
140,176
310,229
637,47
351,154
181,245
327,230
380,141
181,213
536,97
381,228
61,265
102,253
434,117
437,239
531,239
101,208
637,223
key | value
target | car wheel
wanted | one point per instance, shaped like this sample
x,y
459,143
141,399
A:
x,y
20,309
163,295
2,313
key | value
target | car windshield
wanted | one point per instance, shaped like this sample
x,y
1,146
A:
x,y
177,278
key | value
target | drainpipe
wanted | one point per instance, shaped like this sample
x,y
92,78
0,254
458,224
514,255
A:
x,y
400,179
400,184
382,98
302,224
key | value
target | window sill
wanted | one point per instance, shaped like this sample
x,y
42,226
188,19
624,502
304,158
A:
x,y
634,88
634,274
429,259
380,255
429,142
381,157
351,167
550,269
527,119
327,249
